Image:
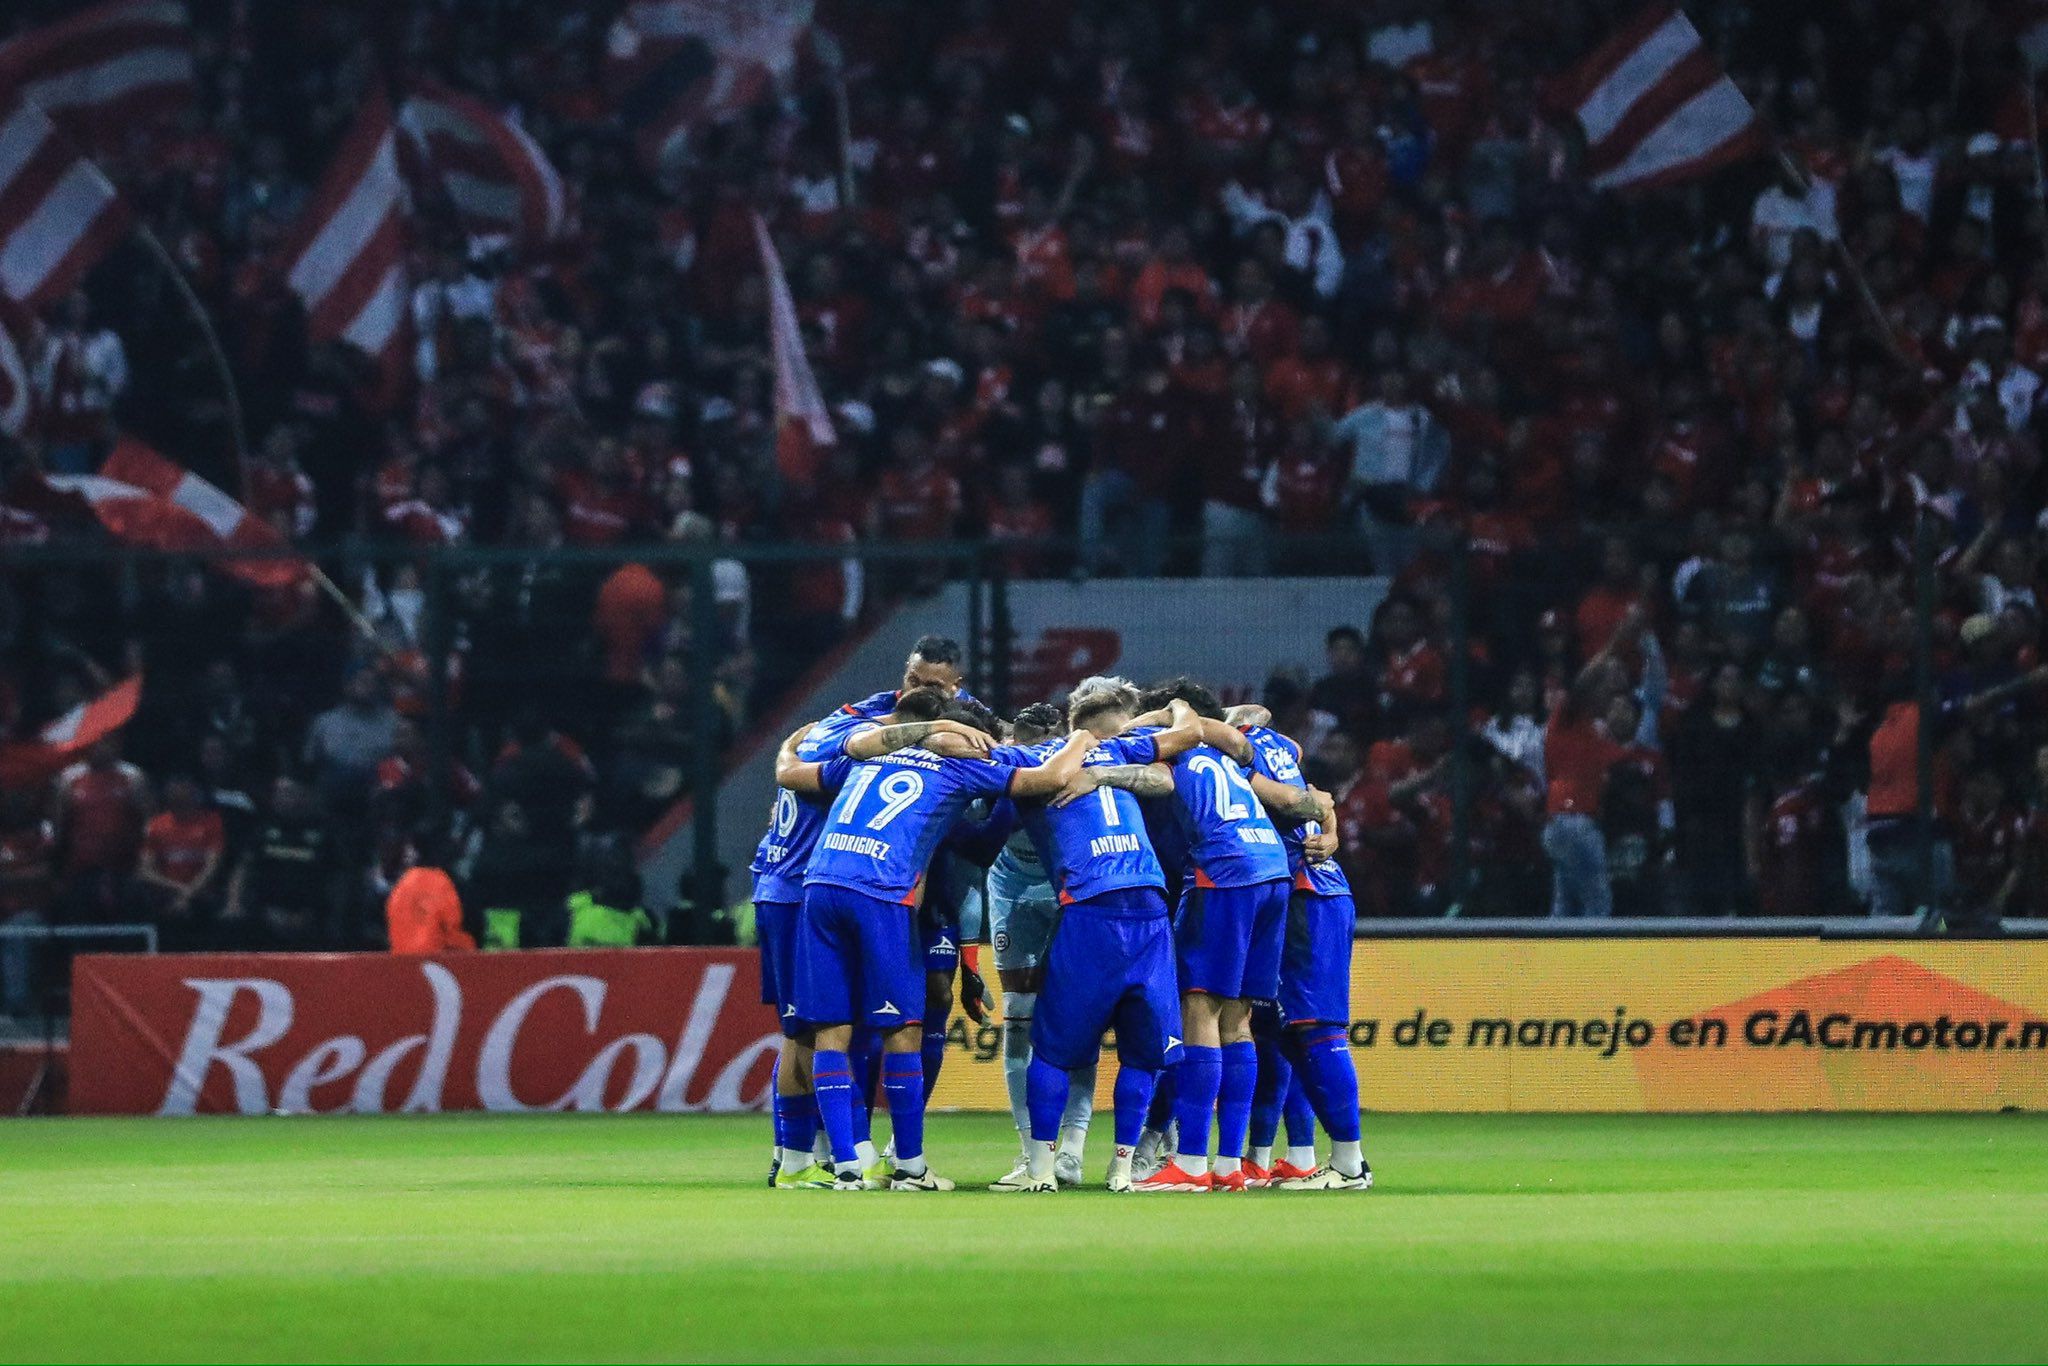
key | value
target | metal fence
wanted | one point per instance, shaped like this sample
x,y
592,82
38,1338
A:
x,y
660,671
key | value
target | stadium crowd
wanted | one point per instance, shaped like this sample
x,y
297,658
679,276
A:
x,y
1322,284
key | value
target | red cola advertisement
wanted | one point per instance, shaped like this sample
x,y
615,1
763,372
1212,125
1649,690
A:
x,y
642,1029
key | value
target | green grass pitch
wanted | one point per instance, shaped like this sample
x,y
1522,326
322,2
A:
x,y
1814,1238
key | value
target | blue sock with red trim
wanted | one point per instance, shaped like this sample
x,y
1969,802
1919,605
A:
x,y
1045,1094
1334,1081
866,1056
1275,1076
1238,1080
1134,1089
903,1084
1201,1075
832,1082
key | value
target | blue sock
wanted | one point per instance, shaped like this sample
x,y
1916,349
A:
x,y
866,1056
903,1084
1301,1116
1201,1076
1240,1077
776,1107
1335,1081
1134,1088
1275,1074
934,1057
1045,1093
1165,1096
832,1080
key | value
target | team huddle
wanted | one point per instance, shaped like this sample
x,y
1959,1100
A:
x,y
1141,862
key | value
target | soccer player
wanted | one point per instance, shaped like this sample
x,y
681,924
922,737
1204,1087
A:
x,y
1315,982
857,941
809,770
1021,909
1229,935
1110,962
934,662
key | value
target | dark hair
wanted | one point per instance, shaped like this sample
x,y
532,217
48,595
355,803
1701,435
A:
x,y
1350,633
1040,718
937,649
921,704
1184,689
971,713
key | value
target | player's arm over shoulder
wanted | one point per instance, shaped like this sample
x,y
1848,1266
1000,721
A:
x,y
1056,772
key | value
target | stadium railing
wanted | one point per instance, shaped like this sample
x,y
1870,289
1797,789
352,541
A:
x,y
485,643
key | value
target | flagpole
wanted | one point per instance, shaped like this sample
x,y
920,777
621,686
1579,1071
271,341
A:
x,y
233,393
222,369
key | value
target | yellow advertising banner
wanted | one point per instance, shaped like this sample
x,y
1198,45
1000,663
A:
x,y
1668,1024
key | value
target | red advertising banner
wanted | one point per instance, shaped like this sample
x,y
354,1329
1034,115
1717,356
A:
x,y
631,1029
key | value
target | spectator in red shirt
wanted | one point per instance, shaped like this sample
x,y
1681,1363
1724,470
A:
x,y
1239,443
181,856
1140,445
102,805
1578,752
1607,604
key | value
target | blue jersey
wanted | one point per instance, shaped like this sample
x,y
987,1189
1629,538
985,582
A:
x,y
890,817
1231,842
1279,758
1098,844
796,819
882,703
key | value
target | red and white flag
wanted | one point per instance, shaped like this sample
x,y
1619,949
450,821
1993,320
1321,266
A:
x,y
678,65
144,499
345,258
58,213
103,72
803,427
23,763
1657,108
495,175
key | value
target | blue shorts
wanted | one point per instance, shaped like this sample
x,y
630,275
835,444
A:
x,y
1229,940
1315,964
1110,965
857,960
940,943
775,927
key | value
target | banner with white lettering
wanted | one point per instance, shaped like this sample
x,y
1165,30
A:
x,y
641,1029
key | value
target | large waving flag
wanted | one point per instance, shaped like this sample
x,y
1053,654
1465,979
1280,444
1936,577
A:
x,y
679,65
803,427
1657,108
495,176
24,763
58,214
146,500
103,71
345,257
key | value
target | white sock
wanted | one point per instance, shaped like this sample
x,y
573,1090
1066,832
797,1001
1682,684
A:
x,y
1194,1166
1347,1158
1120,1163
1304,1158
1017,1008
865,1150
821,1147
842,1168
1228,1166
1039,1160
1074,1140
1080,1102
1150,1144
1262,1156
911,1166
795,1159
